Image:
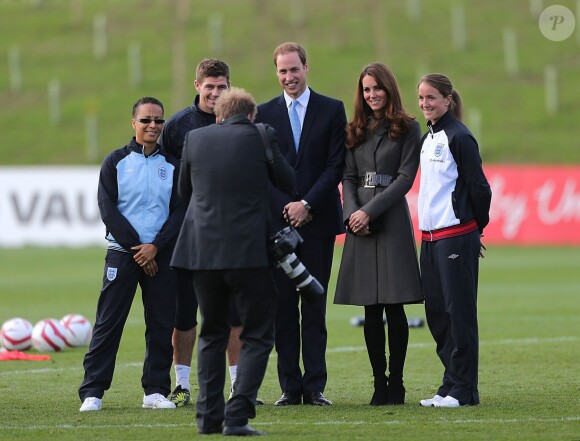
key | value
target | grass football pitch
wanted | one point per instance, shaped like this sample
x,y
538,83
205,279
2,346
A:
x,y
529,317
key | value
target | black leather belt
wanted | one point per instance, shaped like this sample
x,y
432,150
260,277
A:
x,y
373,179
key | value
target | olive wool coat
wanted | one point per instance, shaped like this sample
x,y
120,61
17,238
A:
x,y
381,268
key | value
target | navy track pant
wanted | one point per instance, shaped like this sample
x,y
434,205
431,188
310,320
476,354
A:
x,y
449,272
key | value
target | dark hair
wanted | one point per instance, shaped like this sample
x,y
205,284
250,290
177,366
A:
x,y
235,101
211,67
288,47
394,112
146,100
445,88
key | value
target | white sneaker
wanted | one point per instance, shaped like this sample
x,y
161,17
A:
x,y
91,403
157,401
448,401
430,402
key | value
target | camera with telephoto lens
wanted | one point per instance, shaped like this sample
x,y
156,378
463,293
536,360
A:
x,y
282,246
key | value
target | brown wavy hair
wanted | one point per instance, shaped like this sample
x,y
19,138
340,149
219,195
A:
x,y
394,112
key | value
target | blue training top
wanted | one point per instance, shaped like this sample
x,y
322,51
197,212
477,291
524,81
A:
x,y
138,198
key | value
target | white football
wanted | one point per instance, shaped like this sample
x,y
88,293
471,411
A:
x,y
78,329
16,334
49,335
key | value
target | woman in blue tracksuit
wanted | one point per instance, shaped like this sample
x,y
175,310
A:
x,y
142,213
454,202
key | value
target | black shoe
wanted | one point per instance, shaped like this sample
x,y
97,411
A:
x,y
246,430
288,400
380,395
317,399
211,430
258,402
180,397
395,393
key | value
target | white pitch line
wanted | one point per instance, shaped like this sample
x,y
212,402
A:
x,y
512,341
300,423
70,369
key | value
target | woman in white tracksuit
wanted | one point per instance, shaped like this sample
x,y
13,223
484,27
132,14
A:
x,y
454,202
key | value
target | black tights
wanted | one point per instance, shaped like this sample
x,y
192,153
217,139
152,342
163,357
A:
x,y
398,332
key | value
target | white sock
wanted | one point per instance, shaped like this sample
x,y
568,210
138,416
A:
x,y
233,374
182,375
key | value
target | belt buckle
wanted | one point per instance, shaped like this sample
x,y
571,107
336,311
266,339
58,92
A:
x,y
370,179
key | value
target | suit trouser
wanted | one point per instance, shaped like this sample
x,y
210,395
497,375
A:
x,y
253,293
304,324
186,302
449,272
120,279
187,306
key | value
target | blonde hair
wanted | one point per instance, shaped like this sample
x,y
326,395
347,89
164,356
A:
x,y
235,101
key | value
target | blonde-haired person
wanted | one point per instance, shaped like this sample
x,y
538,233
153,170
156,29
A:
x,y
236,101
224,177
454,202
379,268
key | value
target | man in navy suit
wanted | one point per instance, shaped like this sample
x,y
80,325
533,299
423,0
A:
x,y
312,141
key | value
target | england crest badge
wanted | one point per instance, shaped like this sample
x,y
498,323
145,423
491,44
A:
x,y
439,149
111,273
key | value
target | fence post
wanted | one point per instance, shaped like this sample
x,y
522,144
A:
x,y
297,15
535,8
134,64
215,28
551,89
474,122
510,52
76,11
458,32
100,36
92,131
54,101
414,10
14,69
578,21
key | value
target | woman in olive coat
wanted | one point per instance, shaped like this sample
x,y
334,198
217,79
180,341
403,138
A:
x,y
379,268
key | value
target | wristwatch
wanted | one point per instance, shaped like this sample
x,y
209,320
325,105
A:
x,y
306,205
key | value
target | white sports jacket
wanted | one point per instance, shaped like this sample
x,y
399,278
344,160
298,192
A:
x,y
453,189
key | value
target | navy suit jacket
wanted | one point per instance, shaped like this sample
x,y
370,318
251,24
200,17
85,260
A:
x,y
318,163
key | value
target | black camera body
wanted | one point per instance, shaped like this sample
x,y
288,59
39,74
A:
x,y
282,246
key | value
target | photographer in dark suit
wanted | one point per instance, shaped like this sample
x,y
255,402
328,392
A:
x,y
225,170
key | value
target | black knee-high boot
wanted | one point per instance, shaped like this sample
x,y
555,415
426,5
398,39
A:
x,y
374,331
398,331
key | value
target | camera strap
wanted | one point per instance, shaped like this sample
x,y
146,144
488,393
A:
x,y
269,155
268,149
